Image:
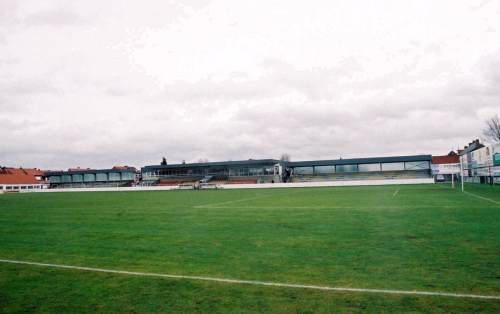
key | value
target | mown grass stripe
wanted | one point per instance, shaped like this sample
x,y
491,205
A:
x,y
229,202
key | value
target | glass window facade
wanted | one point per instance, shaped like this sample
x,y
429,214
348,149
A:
x,y
89,177
393,166
77,178
114,176
215,172
241,172
324,169
238,172
303,170
102,177
127,176
417,165
255,171
369,167
66,178
55,179
346,168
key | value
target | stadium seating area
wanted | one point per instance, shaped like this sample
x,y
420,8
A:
x,y
241,181
387,175
345,176
256,171
246,180
176,181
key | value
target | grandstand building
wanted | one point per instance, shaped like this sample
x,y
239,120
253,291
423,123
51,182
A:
x,y
375,168
274,171
90,178
227,172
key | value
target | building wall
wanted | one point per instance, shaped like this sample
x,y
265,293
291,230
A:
x,y
445,169
479,165
21,187
251,186
70,179
355,168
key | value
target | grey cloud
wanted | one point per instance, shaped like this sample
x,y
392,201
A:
x,y
13,16
8,61
17,96
62,16
490,67
8,10
480,5
27,87
316,84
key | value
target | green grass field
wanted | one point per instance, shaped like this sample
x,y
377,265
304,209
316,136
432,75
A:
x,y
420,237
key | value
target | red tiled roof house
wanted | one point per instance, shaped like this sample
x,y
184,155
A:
x,y
18,179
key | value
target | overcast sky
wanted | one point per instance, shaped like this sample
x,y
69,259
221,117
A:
x,y
103,83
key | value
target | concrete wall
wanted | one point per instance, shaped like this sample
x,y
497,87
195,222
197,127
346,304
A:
x,y
329,184
245,186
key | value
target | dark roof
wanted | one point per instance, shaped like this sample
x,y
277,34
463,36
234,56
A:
x,y
83,171
448,159
249,162
253,162
474,145
358,161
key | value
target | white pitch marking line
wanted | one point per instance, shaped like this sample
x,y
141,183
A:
x,y
482,197
336,207
258,283
395,193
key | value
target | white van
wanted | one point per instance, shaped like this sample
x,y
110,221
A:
x,y
439,178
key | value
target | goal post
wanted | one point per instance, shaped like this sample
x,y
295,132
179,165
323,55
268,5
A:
x,y
461,173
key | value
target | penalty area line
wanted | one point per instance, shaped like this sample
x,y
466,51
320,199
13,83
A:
x,y
257,283
482,197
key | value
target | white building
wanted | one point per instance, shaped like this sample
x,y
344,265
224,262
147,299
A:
x,y
481,163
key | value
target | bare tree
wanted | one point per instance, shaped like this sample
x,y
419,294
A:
x,y
492,130
285,157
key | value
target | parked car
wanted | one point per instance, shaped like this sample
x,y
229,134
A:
x,y
439,178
